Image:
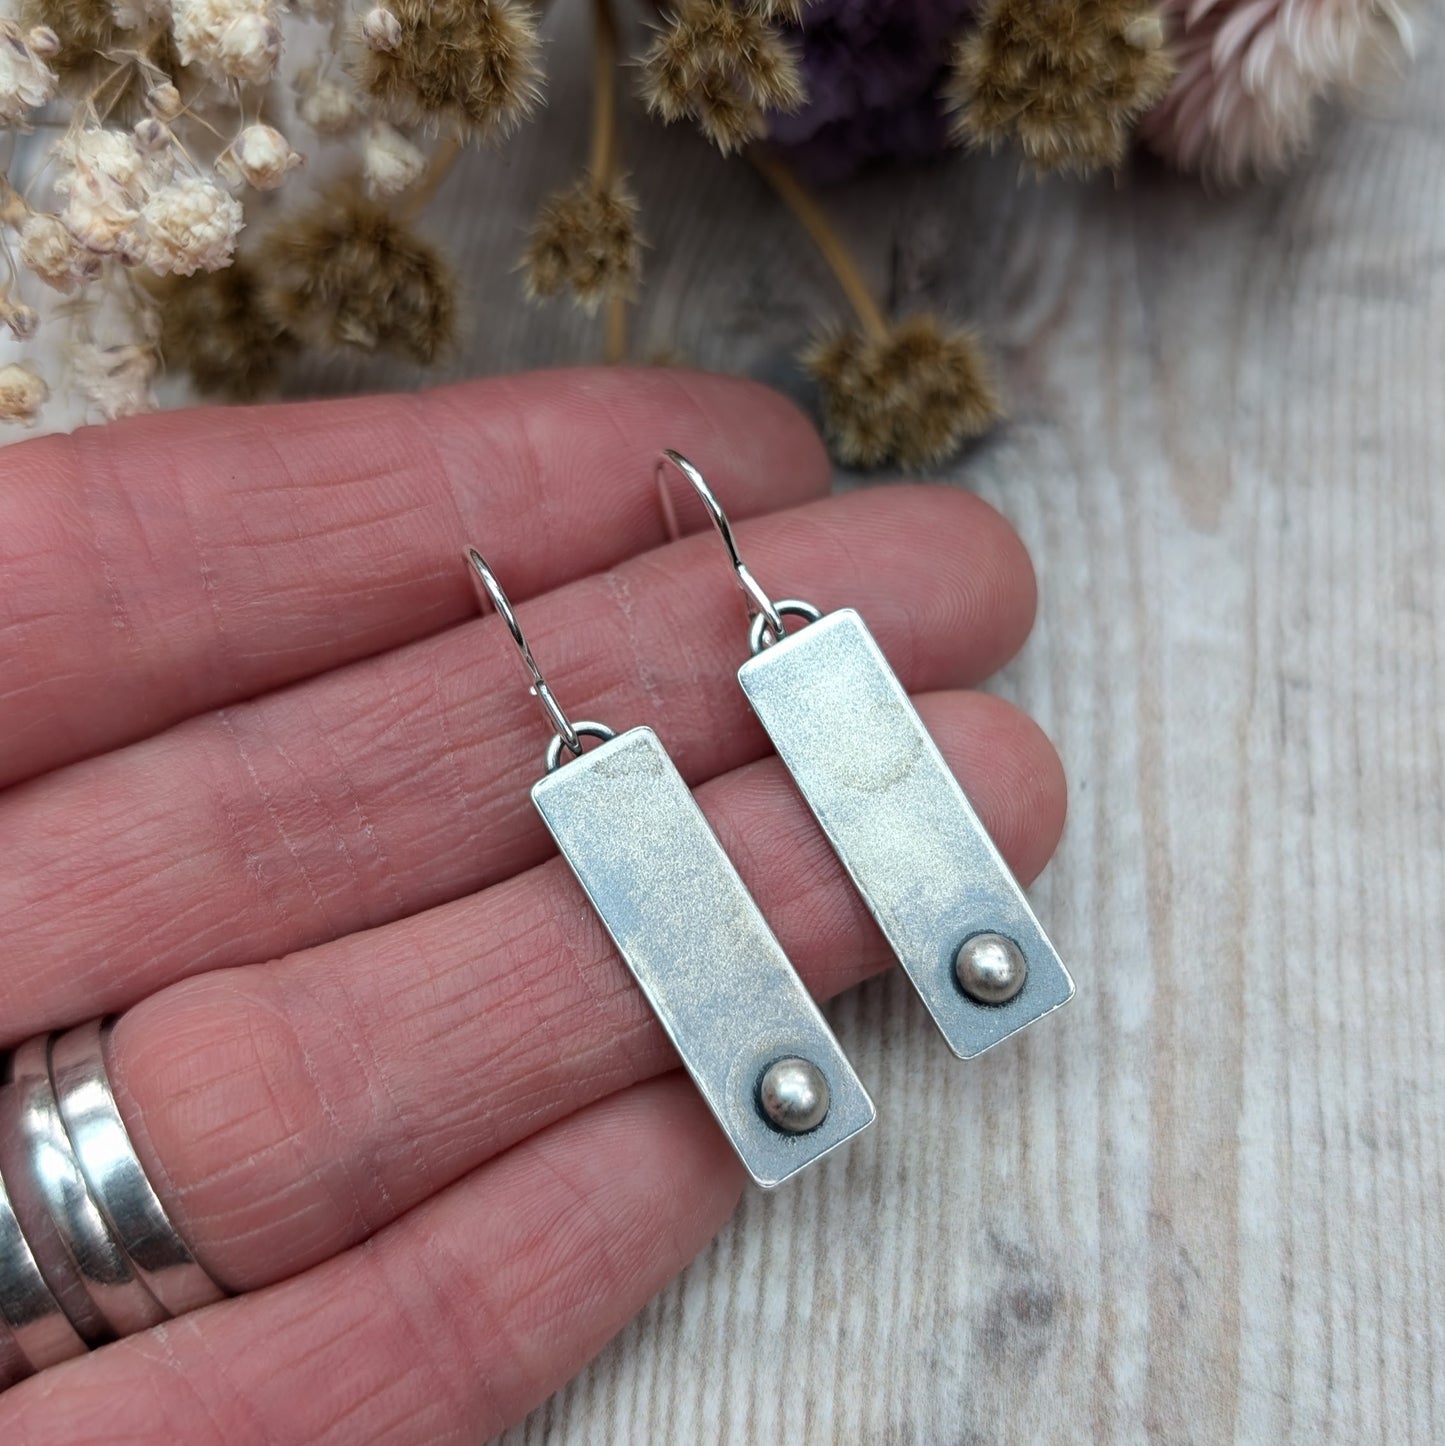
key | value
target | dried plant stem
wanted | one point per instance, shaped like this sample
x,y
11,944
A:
x,y
443,158
603,163
795,196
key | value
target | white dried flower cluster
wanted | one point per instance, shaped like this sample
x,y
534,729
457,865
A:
x,y
240,39
26,81
390,164
154,167
137,203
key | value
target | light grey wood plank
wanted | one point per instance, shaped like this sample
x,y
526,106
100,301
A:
x,y
1203,1203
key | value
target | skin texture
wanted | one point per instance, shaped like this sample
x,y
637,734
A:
x,y
263,785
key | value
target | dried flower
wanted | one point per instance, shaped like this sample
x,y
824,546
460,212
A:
x,y
1066,78
585,238
390,164
49,250
467,66
23,321
1250,76
164,101
189,225
723,66
873,70
215,326
102,175
115,380
43,41
26,81
912,395
261,156
327,106
381,30
22,393
236,38
350,274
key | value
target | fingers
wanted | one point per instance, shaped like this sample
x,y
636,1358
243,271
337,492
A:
x,y
451,1325
287,1111
177,562
398,783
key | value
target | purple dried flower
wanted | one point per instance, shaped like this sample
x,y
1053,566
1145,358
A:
x,y
873,70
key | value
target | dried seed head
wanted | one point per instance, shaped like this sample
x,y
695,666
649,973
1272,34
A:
x,y
469,67
348,274
911,397
44,42
216,328
22,393
1067,79
23,321
585,240
164,101
151,135
262,156
725,67
381,30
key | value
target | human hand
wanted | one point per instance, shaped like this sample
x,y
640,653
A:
x,y
264,785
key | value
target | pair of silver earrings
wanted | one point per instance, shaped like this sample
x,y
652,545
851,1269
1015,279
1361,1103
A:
x,y
748,1032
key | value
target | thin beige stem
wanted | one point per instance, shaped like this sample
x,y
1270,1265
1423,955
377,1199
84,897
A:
x,y
811,217
603,164
438,168
614,346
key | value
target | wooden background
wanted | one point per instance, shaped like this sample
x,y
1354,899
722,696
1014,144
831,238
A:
x,y
1204,1203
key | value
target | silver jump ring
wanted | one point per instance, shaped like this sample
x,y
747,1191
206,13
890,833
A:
x,y
759,604
79,1258
761,635
117,1179
586,730
37,1331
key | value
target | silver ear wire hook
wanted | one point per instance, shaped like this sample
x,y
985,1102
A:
x,y
764,614
569,735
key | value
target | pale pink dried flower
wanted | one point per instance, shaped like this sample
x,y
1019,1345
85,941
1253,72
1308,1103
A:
x,y
1252,72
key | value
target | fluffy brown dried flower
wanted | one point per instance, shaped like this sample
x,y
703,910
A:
x,y
468,67
725,67
347,273
215,326
585,238
912,396
1066,78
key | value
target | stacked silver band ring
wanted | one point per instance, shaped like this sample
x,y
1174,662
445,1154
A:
x,y
87,1252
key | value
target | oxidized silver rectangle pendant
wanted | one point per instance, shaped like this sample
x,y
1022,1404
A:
x,y
696,942
844,726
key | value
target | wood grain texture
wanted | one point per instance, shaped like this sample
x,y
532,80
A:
x,y
1204,1203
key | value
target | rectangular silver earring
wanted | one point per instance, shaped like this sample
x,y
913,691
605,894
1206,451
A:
x,y
749,1033
844,727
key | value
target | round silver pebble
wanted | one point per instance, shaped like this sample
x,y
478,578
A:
x,y
794,1096
990,968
